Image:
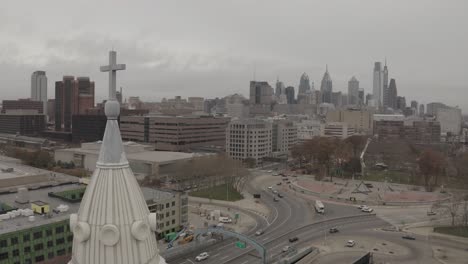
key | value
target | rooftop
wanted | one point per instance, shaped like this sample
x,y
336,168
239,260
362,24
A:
x,y
41,197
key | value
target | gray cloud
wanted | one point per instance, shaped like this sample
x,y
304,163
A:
x,y
210,47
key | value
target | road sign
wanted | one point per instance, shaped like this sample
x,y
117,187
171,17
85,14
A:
x,y
240,244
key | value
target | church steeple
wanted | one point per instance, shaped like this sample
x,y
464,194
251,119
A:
x,y
113,224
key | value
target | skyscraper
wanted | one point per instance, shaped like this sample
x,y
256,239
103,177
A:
x,y
39,88
353,91
361,100
377,91
304,84
72,97
260,93
421,110
392,95
385,85
326,88
279,88
290,95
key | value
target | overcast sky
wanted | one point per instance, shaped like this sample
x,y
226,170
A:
x,y
210,47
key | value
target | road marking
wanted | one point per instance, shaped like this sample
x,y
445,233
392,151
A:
x,y
266,238
224,257
190,261
245,262
215,255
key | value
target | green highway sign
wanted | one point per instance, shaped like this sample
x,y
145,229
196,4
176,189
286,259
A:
x,y
240,244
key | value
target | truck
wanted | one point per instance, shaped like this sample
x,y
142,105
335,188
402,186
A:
x,y
319,207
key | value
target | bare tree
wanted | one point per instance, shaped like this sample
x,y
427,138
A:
x,y
431,165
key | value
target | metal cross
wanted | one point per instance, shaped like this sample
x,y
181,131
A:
x,y
112,68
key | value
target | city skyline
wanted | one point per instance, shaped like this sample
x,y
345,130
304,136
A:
x,y
171,59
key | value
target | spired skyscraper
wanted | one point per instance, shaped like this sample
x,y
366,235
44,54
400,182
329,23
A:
x,y
326,87
39,88
113,224
378,84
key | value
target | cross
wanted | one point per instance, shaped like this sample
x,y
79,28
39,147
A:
x,y
112,68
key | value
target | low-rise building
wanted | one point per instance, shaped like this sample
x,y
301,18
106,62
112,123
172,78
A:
x,y
359,119
22,124
308,129
450,119
336,129
175,133
284,136
142,159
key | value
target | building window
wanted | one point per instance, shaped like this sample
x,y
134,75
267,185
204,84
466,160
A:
x,y
14,240
61,252
173,221
50,244
3,243
15,252
167,223
60,241
70,238
37,235
26,238
59,230
167,214
3,256
48,232
51,255
40,258
173,203
167,205
173,212
38,247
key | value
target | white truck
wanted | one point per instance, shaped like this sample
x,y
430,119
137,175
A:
x,y
319,207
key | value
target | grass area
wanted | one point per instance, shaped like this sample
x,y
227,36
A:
x,y
220,192
461,231
391,176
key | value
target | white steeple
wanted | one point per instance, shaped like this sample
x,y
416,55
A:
x,y
113,224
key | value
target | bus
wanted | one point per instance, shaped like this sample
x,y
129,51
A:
x,y
319,207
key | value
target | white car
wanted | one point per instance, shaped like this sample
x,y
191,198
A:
x,y
286,248
202,256
350,243
361,206
367,210
270,187
259,233
270,171
225,220
275,191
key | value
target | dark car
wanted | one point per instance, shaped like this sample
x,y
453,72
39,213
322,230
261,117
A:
x,y
275,199
409,237
280,195
293,239
279,183
333,230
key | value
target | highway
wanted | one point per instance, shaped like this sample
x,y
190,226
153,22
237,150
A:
x,y
288,214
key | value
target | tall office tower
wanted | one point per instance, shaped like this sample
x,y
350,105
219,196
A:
x,y
414,105
421,110
368,98
279,88
326,88
39,88
392,94
361,100
290,97
401,102
118,95
353,91
385,85
260,93
377,91
304,84
72,97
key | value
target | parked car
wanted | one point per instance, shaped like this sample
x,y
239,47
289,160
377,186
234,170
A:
x,y
270,171
293,239
280,195
333,230
350,243
367,210
286,248
409,237
202,256
259,232
275,191
275,199
270,187
279,183
361,206
223,219
431,213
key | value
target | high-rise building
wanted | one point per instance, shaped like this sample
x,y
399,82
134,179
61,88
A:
x,y
353,91
22,106
421,110
392,94
249,139
304,84
284,136
39,88
279,88
337,99
290,97
400,103
72,97
385,85
260,93
433,108
361,99
378,81
414,105
326,87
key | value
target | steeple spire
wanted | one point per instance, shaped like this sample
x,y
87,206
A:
x,y
326,67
